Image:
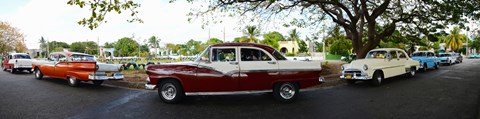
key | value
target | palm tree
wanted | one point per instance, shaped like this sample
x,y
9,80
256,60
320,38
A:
x,y
154,43
252,32
455,39
294,35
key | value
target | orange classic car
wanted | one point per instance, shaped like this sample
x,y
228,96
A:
x,y
76,67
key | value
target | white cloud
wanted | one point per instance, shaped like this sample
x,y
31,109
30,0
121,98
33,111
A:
x,y
57,21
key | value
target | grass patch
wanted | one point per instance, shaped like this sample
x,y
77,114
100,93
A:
x,y
333,57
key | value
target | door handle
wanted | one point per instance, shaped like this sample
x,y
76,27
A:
x,y
234,63
272,62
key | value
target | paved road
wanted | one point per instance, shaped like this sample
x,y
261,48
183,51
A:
x,y
451,92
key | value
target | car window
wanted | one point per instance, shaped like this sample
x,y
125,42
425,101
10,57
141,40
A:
x,y
376,55
393,54
249,54
278,56
81,58
444,55
430,54
418,54
205,56
223,54
402,54
9,56
22,56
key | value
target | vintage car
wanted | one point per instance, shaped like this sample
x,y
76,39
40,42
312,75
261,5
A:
x,y
447,59
427,60
378,65
234,68
17,62
301,57
76,67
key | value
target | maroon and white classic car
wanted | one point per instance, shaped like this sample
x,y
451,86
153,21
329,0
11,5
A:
x,y
234,68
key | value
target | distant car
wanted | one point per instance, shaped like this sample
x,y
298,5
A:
x,y
474,56
427,60
378,65
459,57
76,67
17,62
300,57
234,68
447,59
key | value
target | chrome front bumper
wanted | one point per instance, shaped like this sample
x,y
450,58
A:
x,y
355,76
149,86
115,76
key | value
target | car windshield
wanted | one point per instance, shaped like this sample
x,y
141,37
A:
x,y
419,54
22,57
445,55
205,56
376,55
82,58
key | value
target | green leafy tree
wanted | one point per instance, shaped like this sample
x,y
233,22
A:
x,y
100,8
302,46
455,39
341,47
293,35
212,41
109,45
272,39
319,46
88,47
56,46
172,48
193,47
251,32
126,46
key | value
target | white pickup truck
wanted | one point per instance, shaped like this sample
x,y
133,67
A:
x,y
17,62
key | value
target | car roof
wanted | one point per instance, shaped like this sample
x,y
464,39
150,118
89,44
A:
x,y
262,46
386,49
423,51
69,53
18,54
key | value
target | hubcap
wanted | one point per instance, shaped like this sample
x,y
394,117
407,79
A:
x,y
412,72
379,78
37,73
287,91
72,80
169,91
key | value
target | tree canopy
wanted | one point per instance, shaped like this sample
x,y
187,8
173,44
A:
x,y
212,41
272,39
11,39
88,47
126,46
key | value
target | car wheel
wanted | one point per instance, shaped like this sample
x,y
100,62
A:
x,y
73,82
38,74
170,91
350,82
436,66
285,92
377,79
412,72
97,82
13,70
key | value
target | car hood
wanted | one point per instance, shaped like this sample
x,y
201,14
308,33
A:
x,y
358,64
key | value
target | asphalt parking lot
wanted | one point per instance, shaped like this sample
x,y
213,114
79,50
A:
x,y
451,92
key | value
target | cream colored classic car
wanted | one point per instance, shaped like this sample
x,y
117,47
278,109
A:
x,y
378,65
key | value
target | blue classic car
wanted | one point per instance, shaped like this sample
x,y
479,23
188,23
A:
x,y
447,58
427,60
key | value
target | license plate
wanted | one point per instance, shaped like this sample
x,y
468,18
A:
x,y
109,73
348,76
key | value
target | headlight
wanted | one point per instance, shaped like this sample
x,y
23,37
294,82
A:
x,y
341,67
365,67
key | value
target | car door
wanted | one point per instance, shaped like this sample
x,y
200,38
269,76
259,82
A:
x,y
257,69
6,62
48,67
61,66
220,72
392,64
431,59
403,59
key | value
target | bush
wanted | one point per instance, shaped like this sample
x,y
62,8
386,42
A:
x,y
290,54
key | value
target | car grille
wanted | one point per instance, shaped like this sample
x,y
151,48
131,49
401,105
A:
x,y
356,73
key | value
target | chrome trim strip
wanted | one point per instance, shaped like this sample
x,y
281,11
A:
x,y
227,93
389,67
